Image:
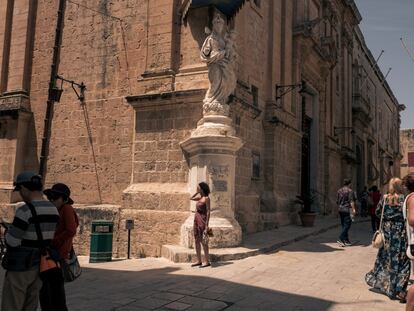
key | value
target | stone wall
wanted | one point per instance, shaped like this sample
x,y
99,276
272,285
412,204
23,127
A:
x,y
248,187
159,130
8,137
105,54
406,146
158,197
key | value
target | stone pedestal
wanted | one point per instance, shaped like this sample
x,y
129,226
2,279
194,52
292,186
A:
x,y
211,153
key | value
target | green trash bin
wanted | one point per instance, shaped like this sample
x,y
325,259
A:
x,y
101,241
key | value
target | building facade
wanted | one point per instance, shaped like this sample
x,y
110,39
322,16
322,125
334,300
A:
x,y
407,151
310,107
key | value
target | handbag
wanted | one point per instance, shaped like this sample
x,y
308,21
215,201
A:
x,y
409,229
206,237
71,268
49,256
207,234
49,259
378,237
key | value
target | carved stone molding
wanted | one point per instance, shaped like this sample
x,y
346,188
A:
x,y
13,102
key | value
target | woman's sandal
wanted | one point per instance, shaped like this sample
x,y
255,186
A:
x,y
206,265
402,297
196,264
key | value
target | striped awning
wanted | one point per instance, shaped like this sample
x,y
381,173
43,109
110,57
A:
x,y
227,7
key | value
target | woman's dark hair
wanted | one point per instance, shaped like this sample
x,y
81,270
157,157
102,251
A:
x,y
374,188
408,182
205,188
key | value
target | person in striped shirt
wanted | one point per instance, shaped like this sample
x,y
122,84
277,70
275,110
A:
x,y
22,284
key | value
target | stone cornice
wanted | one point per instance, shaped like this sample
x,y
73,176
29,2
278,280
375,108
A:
x,y
176,97
217,144
354,9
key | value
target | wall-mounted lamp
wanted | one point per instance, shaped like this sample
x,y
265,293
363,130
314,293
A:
x,y
56,92
343,128
282,90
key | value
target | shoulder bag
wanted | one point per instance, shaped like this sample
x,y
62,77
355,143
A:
x,y
409,229
378,237
71,268
49,257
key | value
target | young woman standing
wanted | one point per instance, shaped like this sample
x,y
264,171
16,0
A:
x,y
392,267
201,220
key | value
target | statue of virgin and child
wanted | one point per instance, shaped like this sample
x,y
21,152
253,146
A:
x,y
219,53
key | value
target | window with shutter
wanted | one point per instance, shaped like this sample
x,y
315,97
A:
x,y
411,159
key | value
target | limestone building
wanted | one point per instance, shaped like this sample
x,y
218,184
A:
x,y
407,151
309,107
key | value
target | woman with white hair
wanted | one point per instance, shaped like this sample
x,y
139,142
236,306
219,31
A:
x,y
392,267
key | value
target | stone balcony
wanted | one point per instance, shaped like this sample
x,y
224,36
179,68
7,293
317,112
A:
x,y
361,108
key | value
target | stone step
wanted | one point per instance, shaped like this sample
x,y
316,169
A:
x,y
255,244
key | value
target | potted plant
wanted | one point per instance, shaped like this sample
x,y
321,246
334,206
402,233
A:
x,y
307,215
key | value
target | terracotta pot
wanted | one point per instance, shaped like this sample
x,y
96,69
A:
x,y
308,219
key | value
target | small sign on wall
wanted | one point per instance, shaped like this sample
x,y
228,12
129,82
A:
x,y
220,185
129,224
102,229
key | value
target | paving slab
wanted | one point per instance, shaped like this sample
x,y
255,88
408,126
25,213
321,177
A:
x,y
256,243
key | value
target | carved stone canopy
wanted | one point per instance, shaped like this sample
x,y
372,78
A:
x,y
227,7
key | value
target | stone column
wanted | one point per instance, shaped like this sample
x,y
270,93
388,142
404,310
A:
x,y
211,151
211,148
17,36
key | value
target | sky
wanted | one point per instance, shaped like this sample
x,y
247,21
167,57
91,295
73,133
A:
x,y
383,23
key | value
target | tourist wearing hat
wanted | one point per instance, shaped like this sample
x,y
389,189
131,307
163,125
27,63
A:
x,y
52,294
22,280
59,195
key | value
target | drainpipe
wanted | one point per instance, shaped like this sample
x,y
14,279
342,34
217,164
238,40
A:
x,y
52,85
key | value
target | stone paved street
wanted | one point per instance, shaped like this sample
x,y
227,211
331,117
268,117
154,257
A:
x,y
313,274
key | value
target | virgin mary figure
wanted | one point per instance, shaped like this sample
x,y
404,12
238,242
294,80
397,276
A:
x,y
219,53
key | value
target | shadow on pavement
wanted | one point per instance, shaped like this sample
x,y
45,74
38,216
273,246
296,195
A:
x,y
215,264
164,289
360,235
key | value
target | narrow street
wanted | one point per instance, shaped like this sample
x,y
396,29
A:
x,y
313,274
